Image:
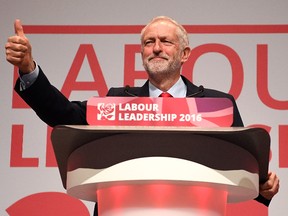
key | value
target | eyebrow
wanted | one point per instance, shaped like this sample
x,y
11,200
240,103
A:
x,y
164,37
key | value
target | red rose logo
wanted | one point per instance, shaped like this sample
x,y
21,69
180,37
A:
x,y
106,111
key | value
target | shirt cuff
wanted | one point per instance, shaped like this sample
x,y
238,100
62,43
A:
x,y
26,80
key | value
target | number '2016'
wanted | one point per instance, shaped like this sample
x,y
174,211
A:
x,y
190,117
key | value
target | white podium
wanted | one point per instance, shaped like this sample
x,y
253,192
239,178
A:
x,y
161,170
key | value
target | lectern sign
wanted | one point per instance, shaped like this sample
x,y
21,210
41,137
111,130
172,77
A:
x,y
147,111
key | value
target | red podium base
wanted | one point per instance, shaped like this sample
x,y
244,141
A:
x,y
161,199
162,186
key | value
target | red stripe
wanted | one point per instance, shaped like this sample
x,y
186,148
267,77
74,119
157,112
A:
x,y
135,29
71,29
237,29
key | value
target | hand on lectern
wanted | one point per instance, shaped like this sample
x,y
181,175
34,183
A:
x,y
19,50
270,187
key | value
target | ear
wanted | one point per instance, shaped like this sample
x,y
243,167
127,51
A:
x,y
185,54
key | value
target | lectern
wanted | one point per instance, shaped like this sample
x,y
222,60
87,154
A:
x,y
161,170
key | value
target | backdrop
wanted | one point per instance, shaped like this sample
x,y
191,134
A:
x,y
85,47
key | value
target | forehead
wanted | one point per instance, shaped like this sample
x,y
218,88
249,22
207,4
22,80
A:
x,y
160,28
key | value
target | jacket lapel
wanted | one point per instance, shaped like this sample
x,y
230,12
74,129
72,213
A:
x,y
191,88
144,90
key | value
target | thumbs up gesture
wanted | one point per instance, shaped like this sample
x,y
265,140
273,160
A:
x,y
19,50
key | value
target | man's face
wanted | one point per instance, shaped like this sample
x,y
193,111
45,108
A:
x,y
160,49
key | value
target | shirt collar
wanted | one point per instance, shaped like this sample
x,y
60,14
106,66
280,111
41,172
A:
x,y
179,89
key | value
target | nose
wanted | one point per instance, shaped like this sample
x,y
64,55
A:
x,y
157,48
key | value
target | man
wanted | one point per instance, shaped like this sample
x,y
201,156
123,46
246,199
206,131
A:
x,y
165,48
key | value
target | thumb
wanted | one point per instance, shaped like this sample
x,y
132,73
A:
x,y
18,28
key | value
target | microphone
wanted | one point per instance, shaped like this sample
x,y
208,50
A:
x,y
200,90
126,90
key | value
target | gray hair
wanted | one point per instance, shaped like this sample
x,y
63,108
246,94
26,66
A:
x,y
180,31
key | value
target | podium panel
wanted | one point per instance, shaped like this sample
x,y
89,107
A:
x,y
161,199
106,164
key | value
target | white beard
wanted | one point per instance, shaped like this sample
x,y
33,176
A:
x,y
158,66
162,66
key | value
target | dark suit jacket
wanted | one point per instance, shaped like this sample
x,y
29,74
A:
x,y
55,109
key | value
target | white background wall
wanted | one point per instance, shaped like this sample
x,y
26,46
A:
x,y
55,54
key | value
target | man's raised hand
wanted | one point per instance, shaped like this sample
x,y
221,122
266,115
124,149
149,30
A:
x,y
19,50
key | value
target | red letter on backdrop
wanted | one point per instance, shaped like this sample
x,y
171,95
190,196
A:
x,y
283,146
130,74
262,80
71,84
16,158
50,156
230,54
249,208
